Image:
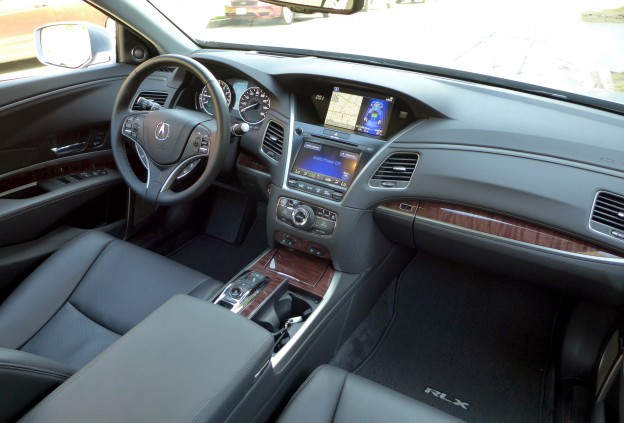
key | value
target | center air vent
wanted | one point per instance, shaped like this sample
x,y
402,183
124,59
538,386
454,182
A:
x,y
273,141
395,172
159,97
608,214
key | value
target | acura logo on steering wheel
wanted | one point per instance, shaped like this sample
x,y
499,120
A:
x,y
162,131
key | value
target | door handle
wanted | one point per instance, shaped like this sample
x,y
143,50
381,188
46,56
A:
x,y
71,148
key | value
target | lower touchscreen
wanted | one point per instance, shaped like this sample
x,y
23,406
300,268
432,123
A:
x,y
326,164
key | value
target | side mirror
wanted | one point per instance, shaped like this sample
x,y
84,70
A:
x,y
73,45
341,7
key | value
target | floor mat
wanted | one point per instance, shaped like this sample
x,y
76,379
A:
x,y
220,259
470,343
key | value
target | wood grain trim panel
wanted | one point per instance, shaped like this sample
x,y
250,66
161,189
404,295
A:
x,y
507,227
247,160
304,273
24,178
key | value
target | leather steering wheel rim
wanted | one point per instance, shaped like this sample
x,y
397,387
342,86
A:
x,y
217,127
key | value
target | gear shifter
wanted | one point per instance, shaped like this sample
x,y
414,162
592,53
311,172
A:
x,y
237,294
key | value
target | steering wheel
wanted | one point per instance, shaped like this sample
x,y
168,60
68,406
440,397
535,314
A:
x,y
170,142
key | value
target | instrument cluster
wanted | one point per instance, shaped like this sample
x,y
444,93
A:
x,y
245,100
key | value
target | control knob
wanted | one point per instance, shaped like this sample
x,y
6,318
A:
x,y
303,217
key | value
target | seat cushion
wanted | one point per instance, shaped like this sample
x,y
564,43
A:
x,y
88,294
336,396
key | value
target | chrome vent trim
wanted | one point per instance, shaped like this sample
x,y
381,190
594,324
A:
x,y
395,172
607,216
273,141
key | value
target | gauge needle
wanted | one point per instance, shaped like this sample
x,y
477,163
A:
x,y
249,107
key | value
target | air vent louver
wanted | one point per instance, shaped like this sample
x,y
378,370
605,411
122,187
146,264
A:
x,y
159,97
273,141
167,69
396,171
608,214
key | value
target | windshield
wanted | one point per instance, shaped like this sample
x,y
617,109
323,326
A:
x,y
571,45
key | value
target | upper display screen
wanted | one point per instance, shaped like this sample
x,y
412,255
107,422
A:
x,y
359,113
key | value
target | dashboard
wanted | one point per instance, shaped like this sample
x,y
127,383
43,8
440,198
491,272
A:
x,y
360,157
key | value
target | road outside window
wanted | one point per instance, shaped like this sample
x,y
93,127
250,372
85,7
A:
x,y
569,45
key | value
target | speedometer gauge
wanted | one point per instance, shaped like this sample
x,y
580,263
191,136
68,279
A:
x,y
253,105
205,100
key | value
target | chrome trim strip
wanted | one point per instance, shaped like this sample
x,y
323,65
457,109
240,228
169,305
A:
x,y
613,374
174,172
140,151
521,243
289,144
17,189
610,358
137,146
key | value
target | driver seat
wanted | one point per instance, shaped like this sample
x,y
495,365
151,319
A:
x,y
77,303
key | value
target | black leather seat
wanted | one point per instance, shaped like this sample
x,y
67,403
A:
x,y
88,294
334,395
77,303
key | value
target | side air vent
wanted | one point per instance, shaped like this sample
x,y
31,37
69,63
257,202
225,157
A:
x,y
395,172
168,69
273,141
159,97
608,214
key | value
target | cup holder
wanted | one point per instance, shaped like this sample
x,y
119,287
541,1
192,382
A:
x,y
284,314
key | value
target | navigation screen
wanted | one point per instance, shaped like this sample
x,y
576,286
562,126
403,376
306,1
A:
x,y
326,163
359,113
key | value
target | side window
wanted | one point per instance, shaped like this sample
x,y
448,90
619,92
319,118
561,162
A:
x,y
20,18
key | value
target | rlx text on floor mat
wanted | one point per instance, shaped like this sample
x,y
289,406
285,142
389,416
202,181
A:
x,y
447,398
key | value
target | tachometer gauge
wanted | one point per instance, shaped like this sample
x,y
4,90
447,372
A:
x,y
205,100
253,105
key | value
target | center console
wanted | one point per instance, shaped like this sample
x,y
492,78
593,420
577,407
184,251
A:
x,y
188,361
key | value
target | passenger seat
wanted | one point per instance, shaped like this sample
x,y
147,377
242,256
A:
x,y
332,395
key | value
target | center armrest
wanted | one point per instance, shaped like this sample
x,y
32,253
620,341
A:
x,y
190,360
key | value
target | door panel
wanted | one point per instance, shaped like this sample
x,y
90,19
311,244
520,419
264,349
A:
x,y
39,114
57,174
